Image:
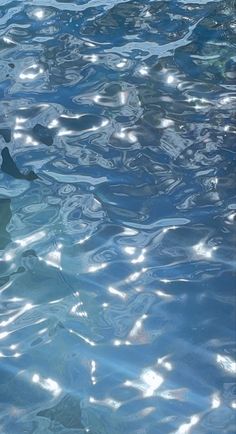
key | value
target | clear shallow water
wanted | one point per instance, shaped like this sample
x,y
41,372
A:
x,y
117,263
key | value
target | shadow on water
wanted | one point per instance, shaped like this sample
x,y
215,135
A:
x,y
5,217
9,166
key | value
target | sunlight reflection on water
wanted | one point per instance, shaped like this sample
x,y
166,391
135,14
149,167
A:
x,y
117,260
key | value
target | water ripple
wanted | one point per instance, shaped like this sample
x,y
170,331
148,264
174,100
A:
x,y
117,216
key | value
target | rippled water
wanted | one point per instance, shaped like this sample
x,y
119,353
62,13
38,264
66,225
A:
x,y
117,309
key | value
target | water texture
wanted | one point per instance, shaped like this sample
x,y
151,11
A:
x,y
117,217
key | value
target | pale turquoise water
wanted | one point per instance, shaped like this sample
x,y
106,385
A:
x,y
117,268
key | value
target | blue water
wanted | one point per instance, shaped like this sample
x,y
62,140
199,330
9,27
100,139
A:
x,y
117,271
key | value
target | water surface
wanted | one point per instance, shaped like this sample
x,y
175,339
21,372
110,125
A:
x,y
117,308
